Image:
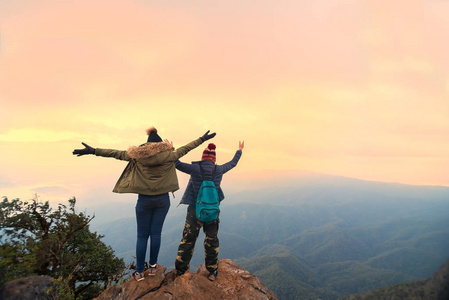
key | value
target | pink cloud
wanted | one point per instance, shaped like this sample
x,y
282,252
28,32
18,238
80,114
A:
x,y
54,52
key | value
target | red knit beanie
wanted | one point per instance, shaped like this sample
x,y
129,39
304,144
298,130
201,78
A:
x,y
209,153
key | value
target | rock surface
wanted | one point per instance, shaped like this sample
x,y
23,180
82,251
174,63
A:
x,y
233,282
32,287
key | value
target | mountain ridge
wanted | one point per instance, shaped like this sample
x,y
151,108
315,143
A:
x,y
361,228
434,288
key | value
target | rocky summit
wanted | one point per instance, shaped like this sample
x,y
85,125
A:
x,y
233,282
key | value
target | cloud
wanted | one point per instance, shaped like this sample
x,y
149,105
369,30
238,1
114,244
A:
x,y
51,191
4,182
325,85
36,135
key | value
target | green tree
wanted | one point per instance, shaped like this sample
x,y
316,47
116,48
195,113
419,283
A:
x,y
38,240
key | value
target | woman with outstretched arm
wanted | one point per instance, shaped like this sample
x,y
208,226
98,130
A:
x,y
151,174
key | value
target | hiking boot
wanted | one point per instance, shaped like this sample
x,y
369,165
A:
x,y
171,276
180,273
152,269
139,276
213,275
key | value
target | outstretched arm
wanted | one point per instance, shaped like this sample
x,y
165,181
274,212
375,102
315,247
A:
x,y
117,154
183,167
181,151
229,165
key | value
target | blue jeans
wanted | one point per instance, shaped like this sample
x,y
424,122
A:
x,y
150,215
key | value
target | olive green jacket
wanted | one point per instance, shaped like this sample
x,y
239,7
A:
x,y
151,168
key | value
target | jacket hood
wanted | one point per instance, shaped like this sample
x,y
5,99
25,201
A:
x,y
148,149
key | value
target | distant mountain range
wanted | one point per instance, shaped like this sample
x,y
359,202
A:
x,y
434,288
310,236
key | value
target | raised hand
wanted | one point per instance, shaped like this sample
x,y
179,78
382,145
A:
x,y
207,136
169,142
241,145
87,150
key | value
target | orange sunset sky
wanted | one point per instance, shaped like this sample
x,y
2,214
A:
x,y
343,87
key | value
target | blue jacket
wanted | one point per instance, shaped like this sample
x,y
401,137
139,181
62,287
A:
x,y
195,180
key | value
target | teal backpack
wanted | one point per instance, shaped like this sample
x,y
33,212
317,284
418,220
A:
x,y
207,202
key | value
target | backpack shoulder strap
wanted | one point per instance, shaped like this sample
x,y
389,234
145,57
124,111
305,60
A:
x,y
202,172
214,172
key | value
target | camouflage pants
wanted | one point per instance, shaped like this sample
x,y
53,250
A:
x,y
189,236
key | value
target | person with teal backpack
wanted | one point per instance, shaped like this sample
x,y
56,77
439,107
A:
x,y
207,201
203,196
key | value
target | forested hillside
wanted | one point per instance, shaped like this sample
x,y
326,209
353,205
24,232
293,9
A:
x,y
321,237
434,288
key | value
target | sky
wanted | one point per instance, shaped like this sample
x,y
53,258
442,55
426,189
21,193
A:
x,y
353,88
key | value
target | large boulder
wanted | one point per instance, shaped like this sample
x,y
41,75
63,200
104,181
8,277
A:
x,y
233,282
27,288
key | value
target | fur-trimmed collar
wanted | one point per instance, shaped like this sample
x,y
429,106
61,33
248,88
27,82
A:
x,y
147,150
